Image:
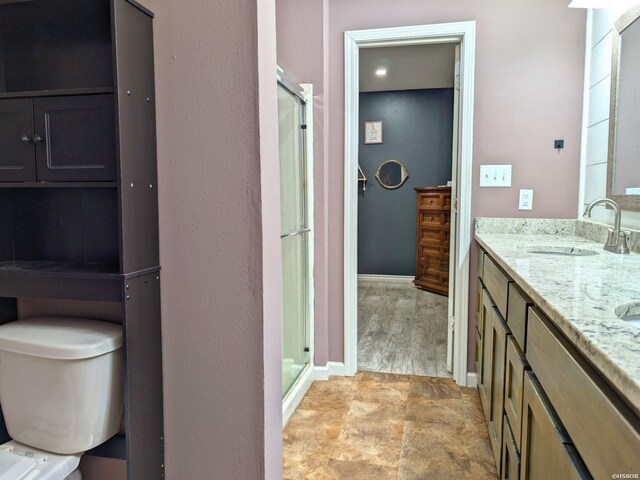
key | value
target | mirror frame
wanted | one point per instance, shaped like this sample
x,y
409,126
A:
x,y
404,177
626,202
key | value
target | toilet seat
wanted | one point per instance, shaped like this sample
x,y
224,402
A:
x,y
20,462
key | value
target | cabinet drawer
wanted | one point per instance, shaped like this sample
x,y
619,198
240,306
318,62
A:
x,y
497,283
514,383
510,468
479,316
601,426
546,449
517,314
430,200
433,219
481,256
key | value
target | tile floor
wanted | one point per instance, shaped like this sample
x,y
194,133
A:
x,y
384,426
401,329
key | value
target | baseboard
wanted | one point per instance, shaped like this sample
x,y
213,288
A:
x,y
386,278
331,369
472,380
296,394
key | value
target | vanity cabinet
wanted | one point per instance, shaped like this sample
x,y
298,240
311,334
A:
x,y
549,413
78,189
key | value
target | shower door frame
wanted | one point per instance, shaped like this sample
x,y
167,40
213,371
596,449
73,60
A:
x,y
304,92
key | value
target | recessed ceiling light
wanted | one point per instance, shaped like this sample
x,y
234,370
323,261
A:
x,y
381,71
590,4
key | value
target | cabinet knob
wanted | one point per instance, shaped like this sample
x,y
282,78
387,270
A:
x,y
25,139
38,139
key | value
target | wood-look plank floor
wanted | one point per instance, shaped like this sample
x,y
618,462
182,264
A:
x,y
401,329
378,426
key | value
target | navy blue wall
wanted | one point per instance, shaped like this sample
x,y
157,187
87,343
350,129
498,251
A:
x,y
417,131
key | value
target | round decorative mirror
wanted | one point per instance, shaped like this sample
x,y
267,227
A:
x,y
392,174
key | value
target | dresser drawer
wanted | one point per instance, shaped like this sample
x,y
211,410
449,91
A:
x,y
513,385
434,219
602,428
517,314
431,200
497,284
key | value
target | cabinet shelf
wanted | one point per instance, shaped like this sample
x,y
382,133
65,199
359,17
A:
x,y
58,269
58,184
57,92
70,281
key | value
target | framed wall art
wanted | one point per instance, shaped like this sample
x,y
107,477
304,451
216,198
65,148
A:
x,y
373,132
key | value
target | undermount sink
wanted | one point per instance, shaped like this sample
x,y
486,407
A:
x,y
563,251
629,312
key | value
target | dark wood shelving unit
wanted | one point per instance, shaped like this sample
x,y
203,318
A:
x,y
78,186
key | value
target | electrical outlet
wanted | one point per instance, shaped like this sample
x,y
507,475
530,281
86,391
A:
x,y
495,175
526,200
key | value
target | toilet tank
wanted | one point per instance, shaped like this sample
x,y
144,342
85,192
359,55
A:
x,y
61,382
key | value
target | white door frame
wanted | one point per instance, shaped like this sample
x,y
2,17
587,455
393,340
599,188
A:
x,y
465,34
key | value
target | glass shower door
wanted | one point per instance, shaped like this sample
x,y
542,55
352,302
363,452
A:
x,y
295,234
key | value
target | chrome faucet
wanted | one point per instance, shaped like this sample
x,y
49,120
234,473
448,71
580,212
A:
x,y
617,240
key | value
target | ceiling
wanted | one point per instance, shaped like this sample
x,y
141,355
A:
x,y
409,67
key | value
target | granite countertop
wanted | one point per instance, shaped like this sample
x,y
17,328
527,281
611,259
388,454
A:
x,y
580,295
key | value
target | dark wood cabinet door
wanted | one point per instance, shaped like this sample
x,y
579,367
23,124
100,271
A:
x,y
17,155
75,138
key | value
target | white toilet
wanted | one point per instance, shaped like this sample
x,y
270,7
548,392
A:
x,y
61,392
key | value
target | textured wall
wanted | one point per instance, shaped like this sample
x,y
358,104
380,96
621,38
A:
x,y
211,238
418,131
529,77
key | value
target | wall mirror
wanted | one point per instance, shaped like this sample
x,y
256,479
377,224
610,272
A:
x,y
392,174
623,172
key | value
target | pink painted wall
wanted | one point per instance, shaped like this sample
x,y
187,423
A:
x,y
302,33
529,77
221,417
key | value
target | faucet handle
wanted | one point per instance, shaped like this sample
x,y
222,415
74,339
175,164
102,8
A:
x,y
622,247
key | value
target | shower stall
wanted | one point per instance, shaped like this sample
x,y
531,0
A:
x,y
296,234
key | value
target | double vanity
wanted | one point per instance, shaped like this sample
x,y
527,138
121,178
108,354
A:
x,y
558,349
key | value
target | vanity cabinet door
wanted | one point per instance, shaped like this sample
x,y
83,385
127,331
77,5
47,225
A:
x,y
499,333
75,138
510,469
17,154
513,385
484,379
546,450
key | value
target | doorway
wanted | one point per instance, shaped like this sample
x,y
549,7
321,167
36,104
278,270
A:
x,y
463,34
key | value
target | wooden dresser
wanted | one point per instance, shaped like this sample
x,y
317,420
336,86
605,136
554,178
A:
x,y
433,217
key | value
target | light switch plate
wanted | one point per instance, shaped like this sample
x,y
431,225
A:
x,y
495,175
526,200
